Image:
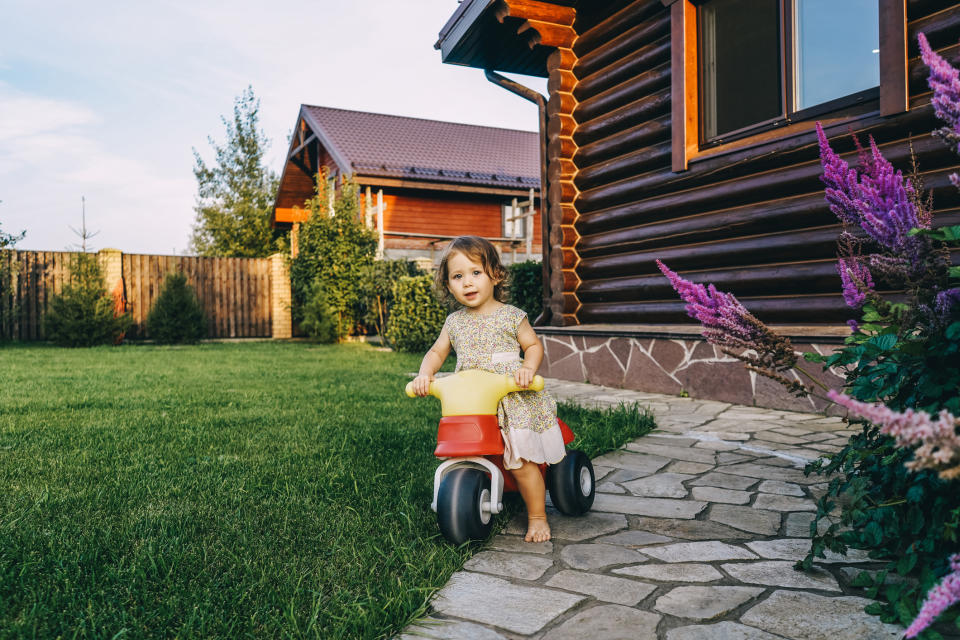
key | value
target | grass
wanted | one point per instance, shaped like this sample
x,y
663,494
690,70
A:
x,y
223,491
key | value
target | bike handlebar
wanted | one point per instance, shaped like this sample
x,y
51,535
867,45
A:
x,y
474,392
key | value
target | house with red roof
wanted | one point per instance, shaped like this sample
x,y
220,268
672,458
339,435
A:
x,y
422,182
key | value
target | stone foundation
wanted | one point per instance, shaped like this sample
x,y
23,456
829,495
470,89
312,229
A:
x,y
677,364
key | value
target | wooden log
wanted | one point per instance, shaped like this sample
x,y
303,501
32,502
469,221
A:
x,y
639,161
561,59
631,90
560,104
536,10
620,46
561,80
646,57
561,125
784,278
614,25
560,148
631,114
642,135
806,309
941,29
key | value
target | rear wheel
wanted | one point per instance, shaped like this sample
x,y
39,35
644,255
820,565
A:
x,y
571,483
460,505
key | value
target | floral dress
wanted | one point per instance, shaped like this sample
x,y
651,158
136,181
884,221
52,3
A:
x,y
528,419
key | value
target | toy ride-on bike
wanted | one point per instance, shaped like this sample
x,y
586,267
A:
x,y
468,485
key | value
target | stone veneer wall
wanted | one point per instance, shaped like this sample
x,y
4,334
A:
x,y
674,365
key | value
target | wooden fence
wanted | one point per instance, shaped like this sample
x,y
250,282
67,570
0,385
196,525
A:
x,y
238,295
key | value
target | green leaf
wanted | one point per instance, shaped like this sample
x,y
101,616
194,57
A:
x,y
906,563
874,608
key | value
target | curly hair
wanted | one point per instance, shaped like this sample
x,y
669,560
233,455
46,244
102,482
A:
x,y
479,250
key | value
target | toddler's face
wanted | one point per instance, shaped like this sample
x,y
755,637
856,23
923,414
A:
x,y
468,282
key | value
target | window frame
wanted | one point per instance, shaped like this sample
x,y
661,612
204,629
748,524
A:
x,y
685,62
505,208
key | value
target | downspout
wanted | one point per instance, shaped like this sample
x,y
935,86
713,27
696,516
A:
x,y
541,102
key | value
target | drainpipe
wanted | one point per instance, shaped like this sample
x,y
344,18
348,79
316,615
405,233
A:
x,y
541,102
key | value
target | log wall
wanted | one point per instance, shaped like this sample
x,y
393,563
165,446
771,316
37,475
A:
x,y
748,216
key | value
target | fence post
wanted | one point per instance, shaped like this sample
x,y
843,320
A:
x,y
280,298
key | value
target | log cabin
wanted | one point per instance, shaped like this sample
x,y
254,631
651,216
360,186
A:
x,y
422,182
684,130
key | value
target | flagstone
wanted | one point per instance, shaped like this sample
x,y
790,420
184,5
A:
x,y
772,502
780,488
807,616
609,487
608,622
778,573
605,588
682,466
435,629
562,527
680,572
724,481
706,551
780,437
634,539
798,548
596,556
768,472
489,600
746,518
669,440
687,454
504,542
793,431
704,603
640,462
714,494
726,457
660,485
689,529
719,631
797,525
656,507
510,565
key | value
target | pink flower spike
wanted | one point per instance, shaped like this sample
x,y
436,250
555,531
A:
x,y
939,599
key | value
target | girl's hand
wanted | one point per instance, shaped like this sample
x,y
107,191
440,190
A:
x,y
421,384
524,376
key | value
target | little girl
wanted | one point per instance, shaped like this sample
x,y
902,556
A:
x,y
489,335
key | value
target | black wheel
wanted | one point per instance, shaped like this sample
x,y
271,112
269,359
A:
x,y
571,484
460,511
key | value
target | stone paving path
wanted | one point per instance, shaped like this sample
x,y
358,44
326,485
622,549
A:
x,y
692,536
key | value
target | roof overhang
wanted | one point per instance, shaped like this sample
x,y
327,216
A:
x,y
486,34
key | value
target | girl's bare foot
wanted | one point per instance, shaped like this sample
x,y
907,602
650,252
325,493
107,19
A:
x,y
537,529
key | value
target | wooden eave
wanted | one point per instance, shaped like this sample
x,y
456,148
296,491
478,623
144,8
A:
x,y
514,36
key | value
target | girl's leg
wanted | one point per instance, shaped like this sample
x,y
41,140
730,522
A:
x,y
530,482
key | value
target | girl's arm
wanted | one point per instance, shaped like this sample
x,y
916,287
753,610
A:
x,y
532,354
432,362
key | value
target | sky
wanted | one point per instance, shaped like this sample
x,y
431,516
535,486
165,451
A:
x,y
105,100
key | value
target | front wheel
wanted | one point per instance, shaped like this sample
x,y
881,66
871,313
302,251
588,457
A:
x,y
461,511
571,483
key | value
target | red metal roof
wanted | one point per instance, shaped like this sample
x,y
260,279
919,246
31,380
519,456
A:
x,y
376,144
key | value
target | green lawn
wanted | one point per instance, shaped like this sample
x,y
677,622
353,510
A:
x,y
222,491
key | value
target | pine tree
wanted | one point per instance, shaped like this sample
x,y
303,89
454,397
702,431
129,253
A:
x,y
236,193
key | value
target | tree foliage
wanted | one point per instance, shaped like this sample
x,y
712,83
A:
x,y
176,315
8,307
236,192
525,287
83,314
335,250
417,316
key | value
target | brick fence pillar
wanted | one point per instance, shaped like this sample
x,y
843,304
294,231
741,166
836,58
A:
x,y
111,264
280,297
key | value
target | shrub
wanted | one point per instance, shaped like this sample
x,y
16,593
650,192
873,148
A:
x,y
176,316
335,250
8,273
525,287
83,314
319,317
417,316
376,292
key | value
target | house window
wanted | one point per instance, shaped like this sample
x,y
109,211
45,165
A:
x,y
513,227
766,62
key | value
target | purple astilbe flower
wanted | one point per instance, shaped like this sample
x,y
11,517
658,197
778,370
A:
x,y
878,198
856,279
854,326
944,81
937,442
946,300
728,324
939,599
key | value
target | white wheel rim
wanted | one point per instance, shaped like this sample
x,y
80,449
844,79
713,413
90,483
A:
x,y
485,514
586,482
